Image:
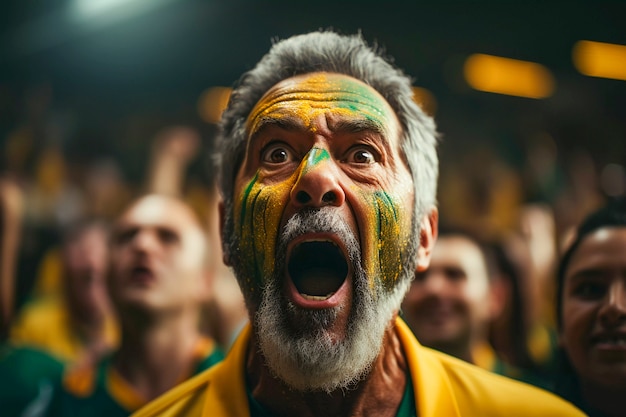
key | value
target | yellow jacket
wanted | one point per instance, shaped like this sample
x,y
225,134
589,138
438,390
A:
x,y
46,324
443,387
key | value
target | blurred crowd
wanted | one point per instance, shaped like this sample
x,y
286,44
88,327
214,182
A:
x,y
62,198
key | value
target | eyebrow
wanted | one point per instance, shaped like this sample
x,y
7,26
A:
x,y
590,272
290,123
293,123
358,125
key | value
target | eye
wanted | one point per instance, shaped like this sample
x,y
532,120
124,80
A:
x,y
124,236
276,153
454,274
168,236
361,155
590,290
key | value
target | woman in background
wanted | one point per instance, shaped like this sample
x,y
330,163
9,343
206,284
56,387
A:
x,y
591,314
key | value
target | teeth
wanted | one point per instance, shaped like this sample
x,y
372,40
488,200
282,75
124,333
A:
x,y
618,341
317,297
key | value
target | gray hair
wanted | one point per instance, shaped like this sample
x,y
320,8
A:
x,y
326,51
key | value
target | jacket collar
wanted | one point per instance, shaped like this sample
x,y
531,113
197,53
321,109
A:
x,y
226,393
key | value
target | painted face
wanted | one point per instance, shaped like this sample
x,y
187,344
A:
x,y
158,255
450,300
593,332
324,140
323,227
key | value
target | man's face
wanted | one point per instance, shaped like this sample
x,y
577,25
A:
x,y
323,207
593,331
85,261
158,256
450,300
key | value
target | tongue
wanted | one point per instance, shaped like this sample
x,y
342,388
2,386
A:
x,y
318,282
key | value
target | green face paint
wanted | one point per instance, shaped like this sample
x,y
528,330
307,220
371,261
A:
x,y
259,212
320,94
387,236
384,219
315,157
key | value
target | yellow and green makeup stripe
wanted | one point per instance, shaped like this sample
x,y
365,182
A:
x,y
387,233
260,208
318,94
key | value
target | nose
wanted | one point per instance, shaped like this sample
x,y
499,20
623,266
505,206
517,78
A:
x,y
429,284
613,310
144,241
317,184
434,283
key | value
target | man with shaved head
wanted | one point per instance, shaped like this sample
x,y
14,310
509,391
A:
x,y
328,174
158,280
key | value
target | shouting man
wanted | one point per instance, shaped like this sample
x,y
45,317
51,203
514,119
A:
x,y
328,173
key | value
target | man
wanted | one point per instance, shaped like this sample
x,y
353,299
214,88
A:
x,y
328,176
158,280
80,325
450,306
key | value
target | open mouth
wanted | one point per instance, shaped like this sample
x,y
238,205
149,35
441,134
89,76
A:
x,y
611,340
141,274
140,270
317,269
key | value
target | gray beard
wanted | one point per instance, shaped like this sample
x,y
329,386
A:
x,y
295,342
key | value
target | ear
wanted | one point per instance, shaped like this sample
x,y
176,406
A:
x,y
222,219
428,237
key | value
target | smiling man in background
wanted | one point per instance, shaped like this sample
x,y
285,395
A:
x,y
450,306
328,173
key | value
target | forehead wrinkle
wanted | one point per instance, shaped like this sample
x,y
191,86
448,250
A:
x,y
336,123
317,99
289,123
304,99
294,123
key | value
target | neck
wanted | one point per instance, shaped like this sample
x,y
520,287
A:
x,y
156,353
378,394
92,332
465,346
90,329
605,398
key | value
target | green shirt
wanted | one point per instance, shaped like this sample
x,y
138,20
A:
x,y
406,409
27,376
101,392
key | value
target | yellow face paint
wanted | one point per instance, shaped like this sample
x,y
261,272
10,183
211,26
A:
x,y
260,203
386,236
319,94
258,214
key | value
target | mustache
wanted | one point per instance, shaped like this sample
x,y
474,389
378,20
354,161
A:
x,y
319,220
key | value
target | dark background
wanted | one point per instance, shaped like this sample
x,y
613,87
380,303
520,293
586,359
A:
x,y
111,82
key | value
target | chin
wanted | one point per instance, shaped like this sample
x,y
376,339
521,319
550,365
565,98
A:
x,y
330,348
319,355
